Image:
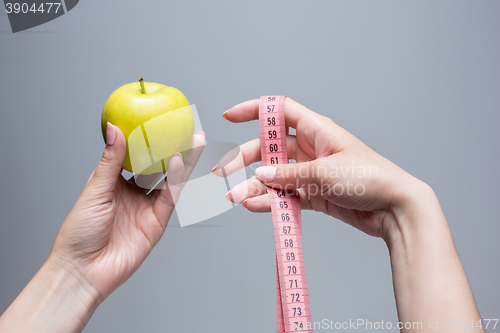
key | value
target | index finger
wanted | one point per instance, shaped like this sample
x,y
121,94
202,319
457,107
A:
x,y
249,110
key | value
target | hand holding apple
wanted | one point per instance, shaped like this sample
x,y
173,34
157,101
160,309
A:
x,y
110,231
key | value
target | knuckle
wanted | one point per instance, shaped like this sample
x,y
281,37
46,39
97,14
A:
x,y
166,199
107,159
317,170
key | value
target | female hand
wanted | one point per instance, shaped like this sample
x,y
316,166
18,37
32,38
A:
x,y
114,225
335,172
107,235
340,176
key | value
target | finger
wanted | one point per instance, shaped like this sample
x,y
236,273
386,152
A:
x,y
292,176
243,112
249,110
168,196
249,152
197,145
249,188
109,168
262,204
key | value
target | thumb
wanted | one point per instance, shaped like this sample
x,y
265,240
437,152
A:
x,y
110,166
289,176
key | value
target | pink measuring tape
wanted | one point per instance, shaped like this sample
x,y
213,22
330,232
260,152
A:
x,y
293,311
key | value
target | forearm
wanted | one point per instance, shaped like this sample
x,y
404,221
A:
x,y
55,300
430,283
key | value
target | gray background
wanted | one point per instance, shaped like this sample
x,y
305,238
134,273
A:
x,y
417,81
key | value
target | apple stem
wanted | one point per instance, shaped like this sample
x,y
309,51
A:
x,y
141,81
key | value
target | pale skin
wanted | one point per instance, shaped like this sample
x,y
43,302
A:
x,y
114,225
429,280
107,235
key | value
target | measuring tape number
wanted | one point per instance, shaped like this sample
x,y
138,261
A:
x,y
293,311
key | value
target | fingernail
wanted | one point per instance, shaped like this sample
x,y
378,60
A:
x,y
215,167
179,154
224,114
238,193
110,134
201,132
229,196
265,173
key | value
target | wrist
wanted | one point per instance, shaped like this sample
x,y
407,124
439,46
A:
x,y
69,298
57,299
428,277
416,216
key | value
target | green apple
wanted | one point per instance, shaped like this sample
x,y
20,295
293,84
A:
x,y
157,122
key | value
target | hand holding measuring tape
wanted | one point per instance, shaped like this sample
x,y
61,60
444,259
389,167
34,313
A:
x,y
339,175
332,165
